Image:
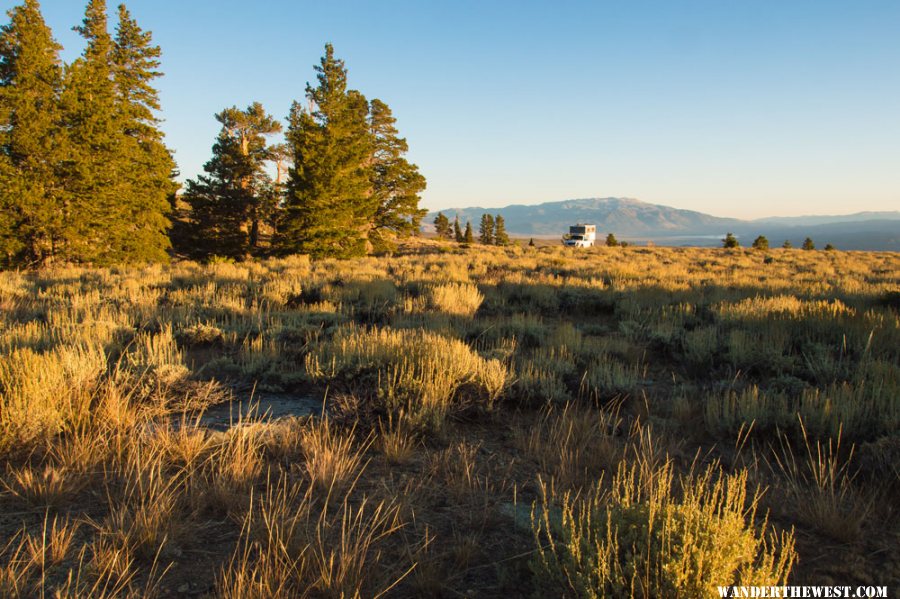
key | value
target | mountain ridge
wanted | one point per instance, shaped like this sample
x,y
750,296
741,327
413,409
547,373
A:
x,y
632,219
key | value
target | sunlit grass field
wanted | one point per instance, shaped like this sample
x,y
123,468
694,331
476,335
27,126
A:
x,y
491,422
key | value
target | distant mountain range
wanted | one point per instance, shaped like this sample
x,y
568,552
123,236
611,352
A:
x,y
637,221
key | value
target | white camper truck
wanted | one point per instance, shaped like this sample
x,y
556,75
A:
x,y
581,236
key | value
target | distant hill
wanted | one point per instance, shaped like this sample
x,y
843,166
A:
x,y
640,221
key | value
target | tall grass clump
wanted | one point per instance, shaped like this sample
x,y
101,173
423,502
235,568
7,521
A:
x,y
653,536
572,445
819,483
425,374
288,548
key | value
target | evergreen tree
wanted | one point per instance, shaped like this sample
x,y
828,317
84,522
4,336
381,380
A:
x,y
102,214
808,244
149,166
486,230
760,243
500,235
611,241
468,237
442,226
236,197
829,247
396,183
730,241
787,244
531,242
457,232
97,220
31,141
329,206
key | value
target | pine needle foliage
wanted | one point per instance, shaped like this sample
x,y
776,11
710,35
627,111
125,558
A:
x,y
236,198
85,175
329,206
30,138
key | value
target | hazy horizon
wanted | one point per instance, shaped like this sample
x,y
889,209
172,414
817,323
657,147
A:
x,y
744,111
557,201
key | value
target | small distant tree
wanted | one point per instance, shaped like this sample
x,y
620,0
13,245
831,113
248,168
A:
x,y
468,236
624,244
730,241
531,242
442,226
457,232
761,243
500,235
486,230
611,241
808,244
829,247
787,244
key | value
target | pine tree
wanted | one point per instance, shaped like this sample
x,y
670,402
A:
x,y
500,235
236,197
787,244
149,166
31,141
442,226
486,230
329,206
97,220
468,237
730,241
531,242
611,241
808,244
760,243
457,232
396,183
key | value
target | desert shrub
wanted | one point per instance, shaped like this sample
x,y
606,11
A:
x,y
607,377
424,374
531,297
42,394
857,410
200,335
156,356
372,301
762,351
880,460
528,331
458,299
726,413
535,386
701,346
653,537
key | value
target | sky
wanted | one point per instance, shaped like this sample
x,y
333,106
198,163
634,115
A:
x,y
735,108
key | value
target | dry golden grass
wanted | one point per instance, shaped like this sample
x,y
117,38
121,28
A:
x,y
456,379
819,483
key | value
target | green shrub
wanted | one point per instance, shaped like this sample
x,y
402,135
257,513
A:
x,y
425,374
651,537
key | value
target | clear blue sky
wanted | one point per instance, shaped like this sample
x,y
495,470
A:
x,y
738,108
